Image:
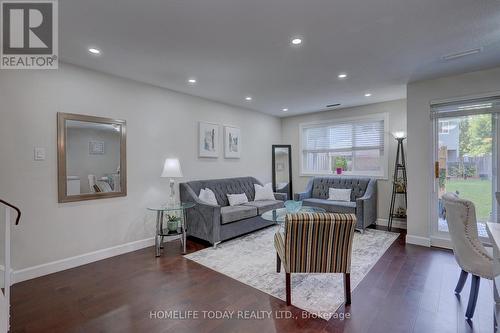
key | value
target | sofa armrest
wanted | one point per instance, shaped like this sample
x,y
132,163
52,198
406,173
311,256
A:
x,y
366,206
307,193
301,196
203,220
280,196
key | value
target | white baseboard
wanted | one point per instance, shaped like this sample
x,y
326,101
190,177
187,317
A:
x,y
441,242
401,224
417,240
67,263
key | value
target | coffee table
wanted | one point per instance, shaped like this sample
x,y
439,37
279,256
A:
x,y
278,215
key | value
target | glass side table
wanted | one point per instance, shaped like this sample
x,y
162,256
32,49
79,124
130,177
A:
x,y
162,232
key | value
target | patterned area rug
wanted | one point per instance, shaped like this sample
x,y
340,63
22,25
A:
x,y
252,260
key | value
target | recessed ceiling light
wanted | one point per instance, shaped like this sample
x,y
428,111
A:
x,y
457,55
296,41
95,51
368,94
284,109
248,98
192,81
342,76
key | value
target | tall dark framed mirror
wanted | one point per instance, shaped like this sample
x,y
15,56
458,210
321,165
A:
x,y
91,157
282,169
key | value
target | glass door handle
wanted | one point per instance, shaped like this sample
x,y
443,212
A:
x,y
436,169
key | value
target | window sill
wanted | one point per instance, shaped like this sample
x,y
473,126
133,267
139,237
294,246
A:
x,y
378,177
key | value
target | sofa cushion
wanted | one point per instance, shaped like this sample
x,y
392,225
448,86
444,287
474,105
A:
x,y
222,187
339,194
235,213
332,206
321,186
208,196
263,193
237,199
265,205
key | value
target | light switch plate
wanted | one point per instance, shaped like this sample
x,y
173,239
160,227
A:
x,y
39,154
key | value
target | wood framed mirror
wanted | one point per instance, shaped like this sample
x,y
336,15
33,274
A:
x,y
91,157
282,169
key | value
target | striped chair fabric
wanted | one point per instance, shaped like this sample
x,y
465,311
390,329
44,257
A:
x,y
316,243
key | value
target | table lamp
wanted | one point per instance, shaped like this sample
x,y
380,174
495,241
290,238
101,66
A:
x,y
172,170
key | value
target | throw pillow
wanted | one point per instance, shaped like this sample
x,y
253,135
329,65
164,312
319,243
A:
x,y
237,199
264,192
339,194
208,196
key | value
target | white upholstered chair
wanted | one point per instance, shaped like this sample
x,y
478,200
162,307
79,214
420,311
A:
x,y
470,254
92,180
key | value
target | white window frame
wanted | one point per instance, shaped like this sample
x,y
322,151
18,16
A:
x,y
375,116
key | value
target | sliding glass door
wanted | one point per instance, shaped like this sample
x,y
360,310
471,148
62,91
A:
x,y
466,159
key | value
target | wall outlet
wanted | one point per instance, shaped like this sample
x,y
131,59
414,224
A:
x,y
39,154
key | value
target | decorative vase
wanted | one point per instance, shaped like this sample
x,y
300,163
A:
x,y
293,206
339,171
172,226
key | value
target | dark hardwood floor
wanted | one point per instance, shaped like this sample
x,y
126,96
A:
x,y
410,289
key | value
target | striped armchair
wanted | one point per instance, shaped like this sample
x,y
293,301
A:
x,y
316,243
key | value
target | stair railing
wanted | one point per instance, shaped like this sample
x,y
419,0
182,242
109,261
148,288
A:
x,y
5,298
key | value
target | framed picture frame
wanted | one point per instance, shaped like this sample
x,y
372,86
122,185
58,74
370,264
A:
x,y
96,147
208,145
232,142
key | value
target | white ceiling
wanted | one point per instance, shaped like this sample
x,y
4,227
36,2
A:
x,y
236,48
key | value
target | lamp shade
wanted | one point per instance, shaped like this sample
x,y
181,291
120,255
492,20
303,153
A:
x,y
172,168
399,134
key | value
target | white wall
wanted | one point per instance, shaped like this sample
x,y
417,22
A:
x,y
420,170
160,123
397,122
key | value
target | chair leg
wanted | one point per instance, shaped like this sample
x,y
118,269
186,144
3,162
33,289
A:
x,y
288,289
461,282
278,263
474,291
347,288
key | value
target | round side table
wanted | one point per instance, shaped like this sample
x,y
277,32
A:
x,y
161,232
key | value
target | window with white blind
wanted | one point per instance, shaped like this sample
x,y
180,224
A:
x,y
355,145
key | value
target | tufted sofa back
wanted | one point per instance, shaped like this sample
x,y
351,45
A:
x,y
221,187
322,184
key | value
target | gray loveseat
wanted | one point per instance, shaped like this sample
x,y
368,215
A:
x,y
218,223
363,197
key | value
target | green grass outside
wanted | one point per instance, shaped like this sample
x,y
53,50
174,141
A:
x,y
475,190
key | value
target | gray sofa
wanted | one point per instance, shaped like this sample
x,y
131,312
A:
x,y
218,223
363,197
